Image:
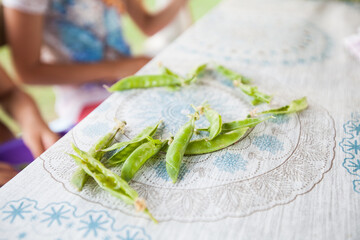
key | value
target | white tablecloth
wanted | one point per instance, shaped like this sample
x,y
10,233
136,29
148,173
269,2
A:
x,y
294,177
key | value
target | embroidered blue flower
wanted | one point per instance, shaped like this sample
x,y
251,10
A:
x,y
353,166
56,216
83,45
161,172
114,35
230,162
16,212
352,127
93,225
351,146
280,119
268,143
63,219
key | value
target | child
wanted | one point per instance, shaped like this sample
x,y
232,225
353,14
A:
x,y
36,134
77,44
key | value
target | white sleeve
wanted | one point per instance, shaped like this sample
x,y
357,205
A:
x,y
28,6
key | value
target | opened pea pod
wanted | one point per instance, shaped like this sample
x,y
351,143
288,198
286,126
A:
x,y
109,181
80,177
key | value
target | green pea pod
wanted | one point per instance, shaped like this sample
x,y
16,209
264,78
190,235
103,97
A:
x,y
193,75
215,121
106,182
79,177
138,157
248,122
121,156
106,179
232,75
202,146
295,106
178,146
145,81
146,132
253,92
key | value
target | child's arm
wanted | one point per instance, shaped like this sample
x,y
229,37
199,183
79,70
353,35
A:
x,y
152,23
36,134
25,34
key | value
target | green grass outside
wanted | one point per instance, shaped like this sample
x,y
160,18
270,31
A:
x,y
44,95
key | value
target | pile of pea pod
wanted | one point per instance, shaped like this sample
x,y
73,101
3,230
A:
x,y
134,153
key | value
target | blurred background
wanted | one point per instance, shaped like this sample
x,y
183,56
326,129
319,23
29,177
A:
x,y
44,95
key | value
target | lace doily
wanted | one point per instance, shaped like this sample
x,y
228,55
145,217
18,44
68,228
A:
x,y
276,161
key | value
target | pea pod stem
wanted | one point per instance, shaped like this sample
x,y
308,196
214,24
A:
x,y
176,150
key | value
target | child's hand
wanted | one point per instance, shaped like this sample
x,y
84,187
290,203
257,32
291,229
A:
x,y
38,138
6,173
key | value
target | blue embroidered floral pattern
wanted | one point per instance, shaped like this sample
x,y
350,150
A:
x,y
16,212
268,143
62,219
55,216
351,146
93,225
230,162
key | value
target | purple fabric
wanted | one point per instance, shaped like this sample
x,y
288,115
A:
x,y
16,153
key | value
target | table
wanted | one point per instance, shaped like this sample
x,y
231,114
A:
x,y
294,177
